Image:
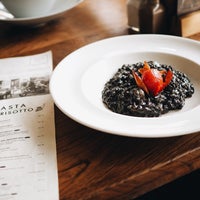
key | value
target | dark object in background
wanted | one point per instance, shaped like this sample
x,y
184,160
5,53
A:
x,y
174,17
171,14
183,17
133,7
152,17
187,6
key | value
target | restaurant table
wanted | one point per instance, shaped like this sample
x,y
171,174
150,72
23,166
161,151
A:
x,y
94,164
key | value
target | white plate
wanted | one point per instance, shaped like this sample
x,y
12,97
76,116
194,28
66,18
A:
x,y
78,80
60,7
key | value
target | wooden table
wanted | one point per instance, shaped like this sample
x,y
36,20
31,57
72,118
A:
x,y
93,164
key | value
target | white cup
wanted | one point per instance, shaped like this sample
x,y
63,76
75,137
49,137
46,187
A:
x,y
28,8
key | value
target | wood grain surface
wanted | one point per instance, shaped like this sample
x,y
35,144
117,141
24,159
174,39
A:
x,y
93,164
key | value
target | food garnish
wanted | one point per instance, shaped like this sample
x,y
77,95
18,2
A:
x,y
152,81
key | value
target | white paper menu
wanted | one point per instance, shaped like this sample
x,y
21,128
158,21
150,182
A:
x,y
28,163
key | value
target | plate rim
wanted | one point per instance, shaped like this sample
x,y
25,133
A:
x,y
100,127
52,14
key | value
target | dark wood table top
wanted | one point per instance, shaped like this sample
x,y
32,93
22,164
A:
x,y
93,164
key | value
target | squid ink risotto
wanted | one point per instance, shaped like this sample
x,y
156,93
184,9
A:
x,y
146,89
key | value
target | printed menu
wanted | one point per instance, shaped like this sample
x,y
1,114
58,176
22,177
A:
x,y
28,162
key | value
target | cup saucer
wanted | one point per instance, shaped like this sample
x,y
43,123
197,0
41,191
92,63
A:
x,y
59,8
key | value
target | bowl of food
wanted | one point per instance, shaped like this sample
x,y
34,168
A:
x,y
136,85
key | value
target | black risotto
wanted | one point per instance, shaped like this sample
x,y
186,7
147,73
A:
x,y
122,95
